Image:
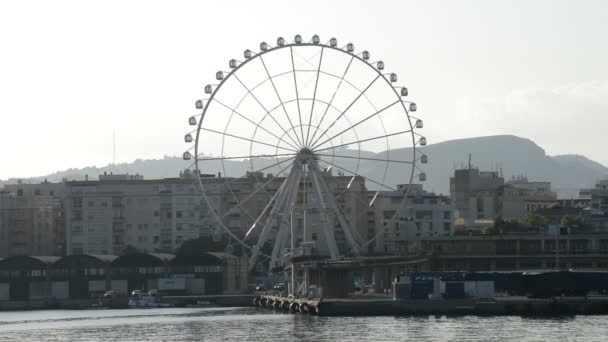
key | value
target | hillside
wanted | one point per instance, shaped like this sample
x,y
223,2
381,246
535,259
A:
x,y
514,155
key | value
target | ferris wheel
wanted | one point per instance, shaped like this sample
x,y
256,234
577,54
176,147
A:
x,y
295,129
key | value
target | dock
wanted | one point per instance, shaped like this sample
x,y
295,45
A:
x,y
408,307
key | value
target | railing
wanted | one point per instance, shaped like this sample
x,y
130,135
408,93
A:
x,y
564,252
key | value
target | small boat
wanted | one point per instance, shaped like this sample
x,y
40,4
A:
x,y
139,299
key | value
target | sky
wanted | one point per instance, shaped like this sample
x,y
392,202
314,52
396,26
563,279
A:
x,y
74,74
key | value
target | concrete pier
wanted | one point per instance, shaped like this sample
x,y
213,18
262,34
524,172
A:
x,y
389,307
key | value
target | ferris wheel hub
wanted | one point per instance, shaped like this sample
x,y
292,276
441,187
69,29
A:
x,y
305,155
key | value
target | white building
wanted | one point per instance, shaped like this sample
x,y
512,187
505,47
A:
x,y
424,215
116,213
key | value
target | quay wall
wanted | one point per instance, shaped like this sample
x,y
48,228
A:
x,y
387,307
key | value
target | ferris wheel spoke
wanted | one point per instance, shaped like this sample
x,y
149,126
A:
x,y
331,101
269,205
264,108
232,181
262,187
365,158
314,96
364,140
355,125
347,108
255,124
281,101
295,82
245,139
249,156
359,175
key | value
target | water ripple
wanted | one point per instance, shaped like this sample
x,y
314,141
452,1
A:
x,y
250,324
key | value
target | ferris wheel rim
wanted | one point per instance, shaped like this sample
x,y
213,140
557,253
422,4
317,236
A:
x,y
291,45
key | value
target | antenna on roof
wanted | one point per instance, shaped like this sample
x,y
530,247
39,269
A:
x,y
114,149
469,161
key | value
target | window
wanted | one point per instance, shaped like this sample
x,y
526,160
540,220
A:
x,y
77,202
388,214
91,204
424,214
116,202
178,214
447,215
76,228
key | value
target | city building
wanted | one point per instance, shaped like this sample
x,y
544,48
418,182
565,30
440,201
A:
x,y
32,219
513,252
520,197
475,195
479,197
422,214
122,212
599,198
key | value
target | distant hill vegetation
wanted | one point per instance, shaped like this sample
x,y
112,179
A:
x,y
512,155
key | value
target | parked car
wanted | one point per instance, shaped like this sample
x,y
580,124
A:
x,y
109,294
260,287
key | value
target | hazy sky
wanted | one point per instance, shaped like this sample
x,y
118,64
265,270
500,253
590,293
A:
x,y
72,73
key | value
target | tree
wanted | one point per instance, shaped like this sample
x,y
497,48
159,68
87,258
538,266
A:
x,y
534,221
573,222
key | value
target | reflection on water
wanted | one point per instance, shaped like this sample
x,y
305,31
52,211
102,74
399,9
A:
x,y
229,324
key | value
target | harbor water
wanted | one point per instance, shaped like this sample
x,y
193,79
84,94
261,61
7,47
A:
x,y
251,324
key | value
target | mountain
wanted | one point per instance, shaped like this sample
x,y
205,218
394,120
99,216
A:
x,y
511,155
516,157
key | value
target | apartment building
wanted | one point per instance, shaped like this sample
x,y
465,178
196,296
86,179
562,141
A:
x,y
119,212
32,219
520,197
423,214
475,194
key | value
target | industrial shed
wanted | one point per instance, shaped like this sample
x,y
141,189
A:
x,y
25,277
140,271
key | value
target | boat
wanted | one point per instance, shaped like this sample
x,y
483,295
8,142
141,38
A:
x,y
139,299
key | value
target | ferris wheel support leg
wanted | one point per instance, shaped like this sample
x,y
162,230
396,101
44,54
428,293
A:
x,y
270,220
346,227
328,229
287,209
270,202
